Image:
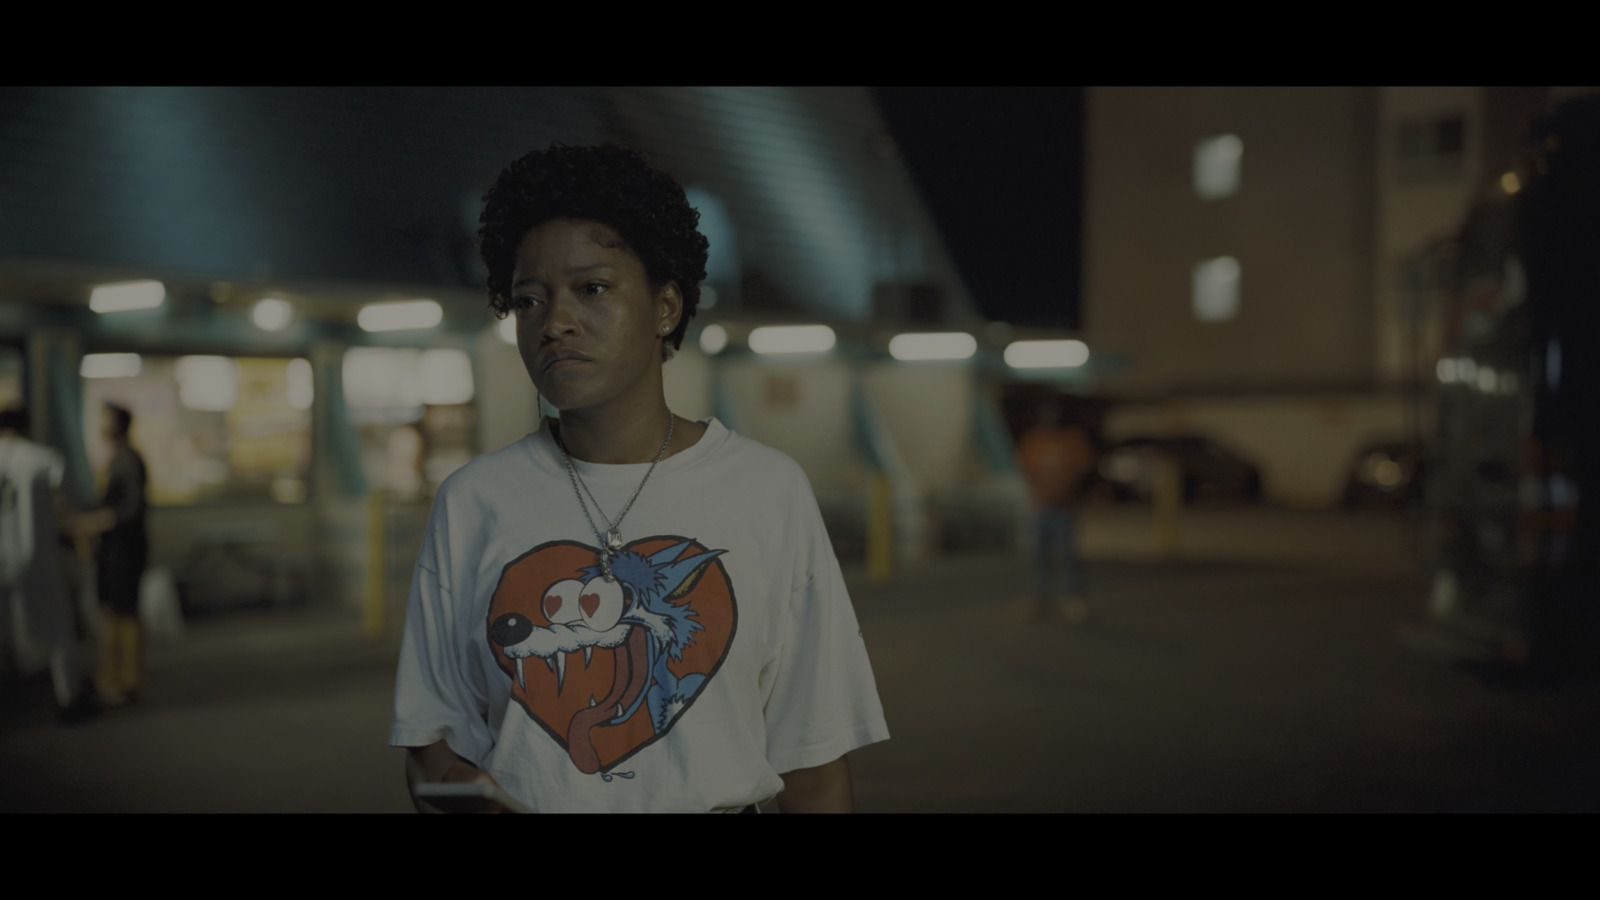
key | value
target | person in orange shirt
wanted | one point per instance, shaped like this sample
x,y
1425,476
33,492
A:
x,y
1057,459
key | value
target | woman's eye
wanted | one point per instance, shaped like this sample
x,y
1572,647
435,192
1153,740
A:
x,y
524,302
594,288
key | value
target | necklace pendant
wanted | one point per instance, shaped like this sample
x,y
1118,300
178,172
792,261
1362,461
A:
x,y
613,540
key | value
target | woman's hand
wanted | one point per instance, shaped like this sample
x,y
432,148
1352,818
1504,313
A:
x,y
438,763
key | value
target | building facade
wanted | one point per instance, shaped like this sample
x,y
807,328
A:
x,y
1269,260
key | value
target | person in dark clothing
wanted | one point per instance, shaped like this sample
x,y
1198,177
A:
x,y
120,561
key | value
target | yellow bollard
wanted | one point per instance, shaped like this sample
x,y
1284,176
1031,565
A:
x,y
1168,496
377,576
880,529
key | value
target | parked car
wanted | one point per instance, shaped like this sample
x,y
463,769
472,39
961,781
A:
x,y
1385,473
1208,469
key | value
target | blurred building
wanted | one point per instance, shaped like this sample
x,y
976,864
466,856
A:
x,y
281,283
1272,262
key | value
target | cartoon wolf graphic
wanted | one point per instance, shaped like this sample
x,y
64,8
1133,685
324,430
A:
x,y
639,616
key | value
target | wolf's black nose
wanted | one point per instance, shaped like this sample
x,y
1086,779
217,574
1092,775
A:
x,y
509,629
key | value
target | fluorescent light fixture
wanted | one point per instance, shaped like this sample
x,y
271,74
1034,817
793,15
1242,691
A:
x,y
1446,370
299,384
407,315
507,330
1046,354
1510,183
272,314
945,345
713,339
446,377
126,296
207,383
1488,379
110,365
792,339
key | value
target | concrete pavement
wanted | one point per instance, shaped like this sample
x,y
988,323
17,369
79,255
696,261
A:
x,y
1256,669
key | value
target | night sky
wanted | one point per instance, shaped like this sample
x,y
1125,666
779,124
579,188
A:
x,y
1001,170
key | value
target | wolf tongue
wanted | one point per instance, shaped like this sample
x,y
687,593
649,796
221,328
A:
x,y
631,676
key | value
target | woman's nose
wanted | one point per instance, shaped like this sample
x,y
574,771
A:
x,y
560,316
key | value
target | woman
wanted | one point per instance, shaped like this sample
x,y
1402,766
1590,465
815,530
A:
x,y
625,610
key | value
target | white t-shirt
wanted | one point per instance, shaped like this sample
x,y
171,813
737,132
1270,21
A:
x,y
725,653
30,568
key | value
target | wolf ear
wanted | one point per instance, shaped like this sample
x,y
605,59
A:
x,y
692,577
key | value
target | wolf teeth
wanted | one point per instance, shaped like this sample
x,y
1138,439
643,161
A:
x,y
587,653
521,679
561,670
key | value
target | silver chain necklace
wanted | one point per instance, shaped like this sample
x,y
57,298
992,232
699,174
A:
x,y
611,539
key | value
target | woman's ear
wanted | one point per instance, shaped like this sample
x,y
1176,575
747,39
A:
x,y
670,304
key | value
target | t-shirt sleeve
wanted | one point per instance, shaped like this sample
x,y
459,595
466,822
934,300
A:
x,y
823,700
434,698
125,488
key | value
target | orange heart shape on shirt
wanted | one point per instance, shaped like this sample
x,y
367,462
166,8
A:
x,y
557,694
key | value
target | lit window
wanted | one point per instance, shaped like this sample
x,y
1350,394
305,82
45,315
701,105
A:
x,y
110,365
298,389
212,429
446,377
412,414
1216,289
207,383
382,378
1216,166
402,379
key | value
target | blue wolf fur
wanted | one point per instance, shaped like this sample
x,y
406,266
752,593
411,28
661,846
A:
x,y
649,580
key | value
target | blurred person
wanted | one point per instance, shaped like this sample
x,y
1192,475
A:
x,y
625,610
1057,460
120,558
34,594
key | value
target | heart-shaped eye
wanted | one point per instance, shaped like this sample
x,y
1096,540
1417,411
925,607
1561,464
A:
x,y
561,604
601,602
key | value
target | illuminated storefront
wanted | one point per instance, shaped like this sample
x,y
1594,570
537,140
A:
x,y
212,429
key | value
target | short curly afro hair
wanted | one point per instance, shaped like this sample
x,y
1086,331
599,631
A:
x,y
612,185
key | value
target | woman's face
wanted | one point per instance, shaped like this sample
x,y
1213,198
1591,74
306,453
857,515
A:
x,y
589,326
